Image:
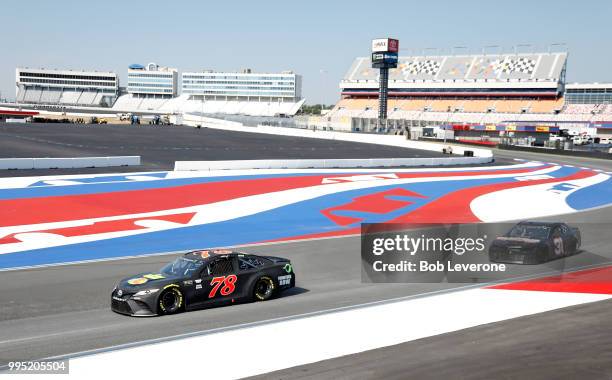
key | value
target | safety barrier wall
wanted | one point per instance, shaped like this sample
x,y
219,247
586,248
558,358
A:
x,y
64,163
320,164
390,140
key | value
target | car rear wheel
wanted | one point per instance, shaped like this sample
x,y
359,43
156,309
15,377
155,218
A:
x,y
170,301
264,288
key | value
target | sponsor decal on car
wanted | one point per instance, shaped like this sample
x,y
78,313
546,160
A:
x,y
137,281
288,268
145,278
284,280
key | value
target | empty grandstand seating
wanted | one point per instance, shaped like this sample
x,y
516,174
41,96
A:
x,y
183,103
58,96
70,97
32,96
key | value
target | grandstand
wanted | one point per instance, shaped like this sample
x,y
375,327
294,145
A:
x,y
66,87
477,89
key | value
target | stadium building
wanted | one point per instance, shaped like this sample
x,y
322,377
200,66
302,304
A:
x,y
246,93
152,81
480,89
149,87
154,88
66,87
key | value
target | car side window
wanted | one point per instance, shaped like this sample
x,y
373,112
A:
x,y
245,264
221,267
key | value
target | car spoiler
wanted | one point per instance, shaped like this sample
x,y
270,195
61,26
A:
x,y
276,260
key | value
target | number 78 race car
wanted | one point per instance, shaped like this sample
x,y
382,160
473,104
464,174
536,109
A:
x,y
203,278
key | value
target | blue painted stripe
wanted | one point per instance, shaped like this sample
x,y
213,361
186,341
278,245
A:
x,y
591,196
284,222
98,188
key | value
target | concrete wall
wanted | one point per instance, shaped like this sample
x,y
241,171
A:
x,y
340,163
62,163
390,140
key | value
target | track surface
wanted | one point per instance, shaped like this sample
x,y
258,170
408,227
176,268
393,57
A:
x,y
160,146
571,343
60,310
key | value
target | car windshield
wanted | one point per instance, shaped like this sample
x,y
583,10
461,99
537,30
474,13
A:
x,y
529,232
182,267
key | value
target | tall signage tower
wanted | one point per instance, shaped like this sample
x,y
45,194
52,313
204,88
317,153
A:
x,y
384,57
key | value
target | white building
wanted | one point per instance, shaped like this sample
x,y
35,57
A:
x,y
66,87
242,93
152,81
243,86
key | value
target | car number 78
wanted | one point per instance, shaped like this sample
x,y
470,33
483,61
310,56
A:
x,y
228,282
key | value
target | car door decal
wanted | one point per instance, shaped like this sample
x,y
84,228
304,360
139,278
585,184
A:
x,y
228,282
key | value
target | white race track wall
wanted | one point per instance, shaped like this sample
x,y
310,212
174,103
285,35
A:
x,y
61,163
339,163
480,155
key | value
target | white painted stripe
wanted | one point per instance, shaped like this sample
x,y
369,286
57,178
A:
x,y
530,202
320,337
214,212
22,182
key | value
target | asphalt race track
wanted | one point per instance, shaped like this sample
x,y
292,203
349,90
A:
x,y
543,346
59,310
187,143
568,343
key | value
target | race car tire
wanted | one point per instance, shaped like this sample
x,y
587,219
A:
x,y
263,288
170,301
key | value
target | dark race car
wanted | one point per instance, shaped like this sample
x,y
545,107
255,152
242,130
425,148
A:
x,y
203,278
535,243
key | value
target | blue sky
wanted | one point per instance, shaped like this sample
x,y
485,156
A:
x,y
317,39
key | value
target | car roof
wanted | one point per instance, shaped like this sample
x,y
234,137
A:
x,y
207,254
543,224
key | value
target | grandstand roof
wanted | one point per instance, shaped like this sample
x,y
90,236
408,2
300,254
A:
x,y
533,70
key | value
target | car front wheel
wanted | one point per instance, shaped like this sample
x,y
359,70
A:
x,y
170,301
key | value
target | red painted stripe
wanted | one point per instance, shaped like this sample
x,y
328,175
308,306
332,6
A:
x,y
14,212
597,281
455,207
377,203
104,227
451,208
18,113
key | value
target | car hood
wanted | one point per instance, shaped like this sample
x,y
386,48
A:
x,y
146,280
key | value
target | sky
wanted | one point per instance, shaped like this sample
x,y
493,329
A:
x,y
317,39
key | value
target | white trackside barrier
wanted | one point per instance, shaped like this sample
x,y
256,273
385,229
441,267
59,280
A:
x,y
319,164
67,163
389,140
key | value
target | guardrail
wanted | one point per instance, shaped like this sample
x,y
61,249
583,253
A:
x,y
562,152
68,163
322,164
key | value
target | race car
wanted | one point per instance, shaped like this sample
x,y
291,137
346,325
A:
x,y
535,243
199,279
